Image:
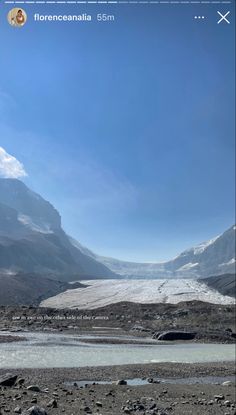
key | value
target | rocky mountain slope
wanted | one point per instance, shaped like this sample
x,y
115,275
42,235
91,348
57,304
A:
x,y
32,239
29,289
225,284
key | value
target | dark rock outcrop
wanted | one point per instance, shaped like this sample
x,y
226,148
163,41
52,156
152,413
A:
x,y
176,335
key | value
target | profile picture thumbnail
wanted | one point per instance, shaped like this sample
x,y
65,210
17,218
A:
x,y
17,17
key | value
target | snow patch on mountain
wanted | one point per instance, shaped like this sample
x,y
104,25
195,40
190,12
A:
x,y
41,227
188,266
231,262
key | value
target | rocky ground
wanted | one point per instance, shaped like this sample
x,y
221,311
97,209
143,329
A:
x,y
209,322
41,392
57,391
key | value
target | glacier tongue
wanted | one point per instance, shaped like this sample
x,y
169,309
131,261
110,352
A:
x,y
100,293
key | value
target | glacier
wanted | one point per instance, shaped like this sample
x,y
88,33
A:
x,y
100,293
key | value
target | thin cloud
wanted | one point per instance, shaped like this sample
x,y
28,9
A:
x,y
10,167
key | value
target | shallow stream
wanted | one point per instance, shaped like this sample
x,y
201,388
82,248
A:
x,y
48,350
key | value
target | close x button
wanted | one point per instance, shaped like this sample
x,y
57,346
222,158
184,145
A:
x,y
223,17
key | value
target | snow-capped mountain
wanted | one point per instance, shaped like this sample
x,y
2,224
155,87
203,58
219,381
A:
x,y
32,239
33,211
213,257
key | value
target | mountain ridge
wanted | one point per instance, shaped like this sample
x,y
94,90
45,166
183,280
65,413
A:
x,y
213,257
32,240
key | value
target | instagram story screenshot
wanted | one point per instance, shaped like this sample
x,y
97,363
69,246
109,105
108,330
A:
x,y
117,207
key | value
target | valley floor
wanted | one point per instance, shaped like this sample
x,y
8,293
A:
x,y
211,322
59,394
58,389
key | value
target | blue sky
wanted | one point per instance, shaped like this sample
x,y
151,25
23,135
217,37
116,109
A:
x,y
126,127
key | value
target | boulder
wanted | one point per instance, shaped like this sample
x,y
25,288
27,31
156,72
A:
x,y
121,382
227,383
34,388
219,397
176,335
8,380
86,409
150,380
35,410
52,403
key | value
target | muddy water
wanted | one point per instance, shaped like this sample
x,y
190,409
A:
x,y
43,350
